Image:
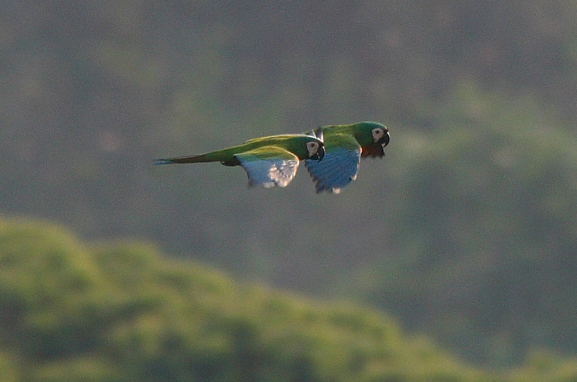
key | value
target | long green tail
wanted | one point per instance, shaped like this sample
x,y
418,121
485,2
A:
x,y
190,159
225,156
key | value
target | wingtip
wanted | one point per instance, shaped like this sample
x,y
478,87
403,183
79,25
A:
x,y
253,184
328,190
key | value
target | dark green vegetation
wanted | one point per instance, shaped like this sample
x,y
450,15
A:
x,y
119,312
487,232
466,231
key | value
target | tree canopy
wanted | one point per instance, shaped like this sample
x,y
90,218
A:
x,y
122,312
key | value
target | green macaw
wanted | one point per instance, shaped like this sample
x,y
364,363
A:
x,y
268,161
345,145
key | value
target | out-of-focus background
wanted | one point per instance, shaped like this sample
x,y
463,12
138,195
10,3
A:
x,y
465,233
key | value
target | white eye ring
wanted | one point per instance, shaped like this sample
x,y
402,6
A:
x,y
378,133
312,147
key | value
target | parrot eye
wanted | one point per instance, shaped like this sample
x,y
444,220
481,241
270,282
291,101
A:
x,y
378,133
312,147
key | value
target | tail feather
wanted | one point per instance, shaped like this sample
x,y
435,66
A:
x,y
189,159
162,161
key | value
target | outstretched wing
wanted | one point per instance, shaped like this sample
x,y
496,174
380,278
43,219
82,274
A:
x,y
269,166
339,166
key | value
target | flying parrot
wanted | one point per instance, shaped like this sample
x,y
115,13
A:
x,y
268,161
345,145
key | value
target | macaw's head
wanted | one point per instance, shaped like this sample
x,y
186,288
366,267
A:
x,y
368,133
315,148
373,137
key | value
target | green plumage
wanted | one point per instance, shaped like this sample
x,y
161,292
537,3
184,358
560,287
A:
x,y
356,135
294,143
273,160
268,161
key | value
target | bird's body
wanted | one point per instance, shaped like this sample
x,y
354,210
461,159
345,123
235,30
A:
x,y
269,161
345,145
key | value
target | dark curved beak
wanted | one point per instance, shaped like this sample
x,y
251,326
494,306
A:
x,y
318,132
320,154
385,139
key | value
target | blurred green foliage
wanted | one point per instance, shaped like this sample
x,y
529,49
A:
x,y
485,244
120,312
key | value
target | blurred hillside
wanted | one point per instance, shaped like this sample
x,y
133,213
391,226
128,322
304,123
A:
x,y
465,231
118,312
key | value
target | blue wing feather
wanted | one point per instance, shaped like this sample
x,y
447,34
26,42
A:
x,y
337,169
